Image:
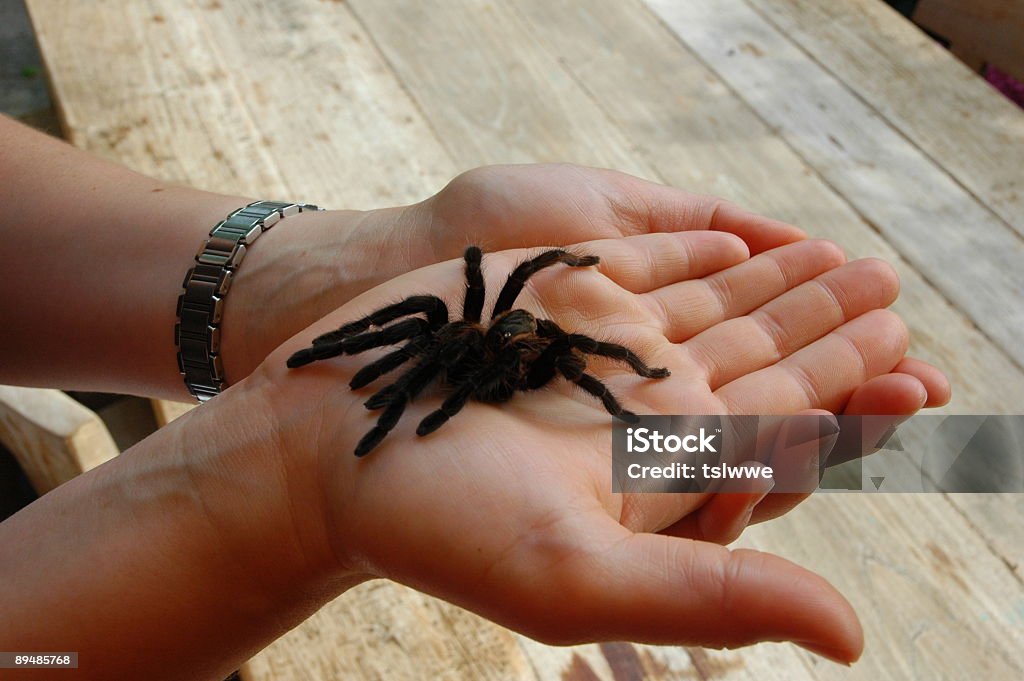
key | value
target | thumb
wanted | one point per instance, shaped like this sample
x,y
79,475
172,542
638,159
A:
x,y
653,588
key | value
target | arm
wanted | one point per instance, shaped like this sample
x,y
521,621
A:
x,y
176,560
95,253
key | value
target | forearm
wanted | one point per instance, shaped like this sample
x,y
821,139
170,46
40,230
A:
x,y
93,258
179,559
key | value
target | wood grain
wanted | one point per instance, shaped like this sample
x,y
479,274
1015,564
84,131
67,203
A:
x,y
165,411
53,437
936,102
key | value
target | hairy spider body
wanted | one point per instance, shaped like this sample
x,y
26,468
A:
x,y
489,362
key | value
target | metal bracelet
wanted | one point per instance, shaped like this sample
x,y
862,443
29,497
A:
x,y
200,307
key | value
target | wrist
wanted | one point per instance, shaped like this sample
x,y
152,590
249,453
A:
x,y
204,541
258,483
307,266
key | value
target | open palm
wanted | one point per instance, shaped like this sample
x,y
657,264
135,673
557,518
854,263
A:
x,y
507,509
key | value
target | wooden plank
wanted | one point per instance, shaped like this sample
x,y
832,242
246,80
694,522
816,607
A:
x,y
53,437
992,29
340,127
937,225
381,630
150,97
165,411
939,104
488,91
179,92
936,603
999,519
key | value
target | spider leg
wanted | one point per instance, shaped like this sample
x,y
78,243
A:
x,y
381,397
410,382
389,335
389,362
452,405
434,307
565,341
572,369
397,398
353,345
473,305
385,423
590,346
514,286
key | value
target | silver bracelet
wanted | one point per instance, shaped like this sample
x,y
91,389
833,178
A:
x,y
200,307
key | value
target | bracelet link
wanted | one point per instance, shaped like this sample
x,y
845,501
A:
x,y
200,306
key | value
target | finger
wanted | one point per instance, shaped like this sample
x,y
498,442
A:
x,y
779,328
657,589
881,404
892,394
803,443
724,517
935,383
759,232
693,306
650,261
659,208
824,374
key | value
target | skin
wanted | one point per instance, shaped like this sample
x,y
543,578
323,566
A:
x,y
506,526
561,530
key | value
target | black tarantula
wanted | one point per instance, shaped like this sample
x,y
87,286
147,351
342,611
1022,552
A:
x,y
486,362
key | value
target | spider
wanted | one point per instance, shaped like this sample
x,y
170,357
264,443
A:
x,y
487,362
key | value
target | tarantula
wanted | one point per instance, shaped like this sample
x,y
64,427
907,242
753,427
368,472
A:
x,y
486,362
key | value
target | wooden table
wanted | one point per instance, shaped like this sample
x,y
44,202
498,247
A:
x,y
836,115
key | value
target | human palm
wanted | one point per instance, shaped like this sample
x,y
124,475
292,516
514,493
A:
x,y
508,510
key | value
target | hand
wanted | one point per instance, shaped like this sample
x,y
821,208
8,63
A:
x,y
507,510
317,262
314,263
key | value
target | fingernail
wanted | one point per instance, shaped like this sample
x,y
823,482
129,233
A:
x,y
829,425
754,501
